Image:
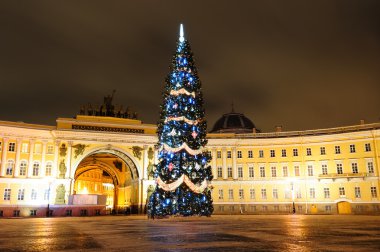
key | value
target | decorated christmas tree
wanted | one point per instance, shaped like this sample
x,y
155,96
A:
x,y
183,172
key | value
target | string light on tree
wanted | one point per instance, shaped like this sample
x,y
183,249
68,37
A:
x,y
182,174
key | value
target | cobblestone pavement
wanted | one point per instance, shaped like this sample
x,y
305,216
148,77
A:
x,y
217,233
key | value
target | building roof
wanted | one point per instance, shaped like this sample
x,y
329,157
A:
x,y
233,123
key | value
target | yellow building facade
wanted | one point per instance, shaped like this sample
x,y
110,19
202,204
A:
x,y
93,165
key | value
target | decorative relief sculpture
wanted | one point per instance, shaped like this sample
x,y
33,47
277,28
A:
x,y
79,149
62,169
137,151
60,196
63,150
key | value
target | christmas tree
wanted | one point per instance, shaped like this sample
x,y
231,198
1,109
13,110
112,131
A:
x,y
182,174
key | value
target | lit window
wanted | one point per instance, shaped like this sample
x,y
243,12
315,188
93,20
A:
x,y
36,168
228,154
262,172
295,152
220,172
33,195
274,171
23,165
25,148
7,194
296,171
261,153
354,167
310,170
220,194
370,167
229,172
342,192
218,154
252,193
263,193
239,154
240,172
48,169
21,194
285,171
37,148
50,149
250,154
326,192
11,147
275,194
308,151
251,172
312,193
367,147
357,192
373,191
46,194
352,148
10,166
230,194
283,153
324,169
339,168
337,149
298,194
272,153
241,193
323,151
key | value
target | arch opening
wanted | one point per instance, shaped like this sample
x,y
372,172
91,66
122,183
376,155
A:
x,y
105,180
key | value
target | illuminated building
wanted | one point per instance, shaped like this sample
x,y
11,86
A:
x,y
95,164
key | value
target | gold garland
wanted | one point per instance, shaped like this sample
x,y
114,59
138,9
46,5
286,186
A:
x,y
182,118
182,91
183,146
172,186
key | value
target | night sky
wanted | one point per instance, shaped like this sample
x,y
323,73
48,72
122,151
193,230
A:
x,y
299,64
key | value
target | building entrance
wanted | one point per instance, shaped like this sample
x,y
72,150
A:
x,y
106,181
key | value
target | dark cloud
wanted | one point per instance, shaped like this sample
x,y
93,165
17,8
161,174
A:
x,y
298,64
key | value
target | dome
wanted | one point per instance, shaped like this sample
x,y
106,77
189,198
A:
x,y
233,123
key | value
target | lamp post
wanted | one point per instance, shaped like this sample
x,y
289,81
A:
x,y
294,206
50,181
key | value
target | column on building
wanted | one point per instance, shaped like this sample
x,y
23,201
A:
x,y
234,169
43,159
224,162
145,162
17,161
30,161
54,172
213,163
4,156
68,161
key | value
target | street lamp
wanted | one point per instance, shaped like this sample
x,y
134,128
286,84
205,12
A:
x,y
50,181
294,206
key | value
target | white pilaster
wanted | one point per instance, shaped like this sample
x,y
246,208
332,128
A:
x,y
17,161
56,165
43,158
145,162
213,163
68,161
234,169
30,162
4,156
224,162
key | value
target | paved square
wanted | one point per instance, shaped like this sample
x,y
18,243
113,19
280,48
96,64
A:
x,y
217,233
